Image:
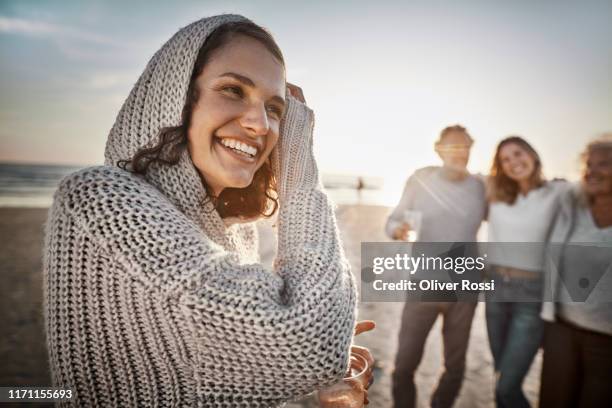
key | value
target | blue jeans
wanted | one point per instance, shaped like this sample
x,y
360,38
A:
x,y
515,334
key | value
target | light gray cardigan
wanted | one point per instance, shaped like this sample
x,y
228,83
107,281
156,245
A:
x,y
597,309
561,229
153,300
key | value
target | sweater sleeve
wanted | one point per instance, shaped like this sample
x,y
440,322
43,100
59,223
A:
x,y
292,158
251,332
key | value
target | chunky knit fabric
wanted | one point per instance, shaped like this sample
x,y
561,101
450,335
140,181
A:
x,y
151,299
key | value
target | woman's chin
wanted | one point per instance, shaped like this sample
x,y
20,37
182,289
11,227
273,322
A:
x,y
594,188
239,182
520,178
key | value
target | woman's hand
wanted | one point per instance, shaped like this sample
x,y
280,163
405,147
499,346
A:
x,y
296,92
362,327
351,392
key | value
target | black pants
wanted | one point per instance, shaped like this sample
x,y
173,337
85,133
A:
x,y
417,320
577,368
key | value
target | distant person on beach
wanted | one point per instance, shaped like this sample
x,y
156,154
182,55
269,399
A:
x,y
154,294
360,187
522,207
451,205
577,364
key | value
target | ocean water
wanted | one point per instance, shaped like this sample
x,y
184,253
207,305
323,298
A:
x,y
33,185
30,185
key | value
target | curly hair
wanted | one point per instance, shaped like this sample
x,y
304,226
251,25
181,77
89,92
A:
x,y
260,198
602,142
503,188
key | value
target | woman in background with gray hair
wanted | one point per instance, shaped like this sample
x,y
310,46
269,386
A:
x,y
578,335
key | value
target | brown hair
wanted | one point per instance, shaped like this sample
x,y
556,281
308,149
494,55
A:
x,y
503,188
260,198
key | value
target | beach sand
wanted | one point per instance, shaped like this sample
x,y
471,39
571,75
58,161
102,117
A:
x,y
23,358
23,355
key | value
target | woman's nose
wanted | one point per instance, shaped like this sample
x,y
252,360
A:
x,y
255,120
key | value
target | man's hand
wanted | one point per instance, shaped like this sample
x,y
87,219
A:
x,y
401,232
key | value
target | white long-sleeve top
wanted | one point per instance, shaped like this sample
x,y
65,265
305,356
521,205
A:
x,y
523,227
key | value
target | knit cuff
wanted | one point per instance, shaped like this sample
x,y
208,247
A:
x,y
292,158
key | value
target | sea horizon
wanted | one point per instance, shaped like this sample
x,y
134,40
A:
x,y
32,185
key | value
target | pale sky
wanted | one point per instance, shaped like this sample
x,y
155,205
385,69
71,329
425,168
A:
x,y
383,77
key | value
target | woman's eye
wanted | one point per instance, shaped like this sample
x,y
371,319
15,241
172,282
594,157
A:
x,y
274,111
233,90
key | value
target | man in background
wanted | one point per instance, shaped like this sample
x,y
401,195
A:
x,y
450,205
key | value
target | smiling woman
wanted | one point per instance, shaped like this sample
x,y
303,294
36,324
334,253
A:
x,y
522,210
230,121
154,294
578,335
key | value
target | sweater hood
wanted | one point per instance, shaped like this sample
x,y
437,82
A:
x,y
156,101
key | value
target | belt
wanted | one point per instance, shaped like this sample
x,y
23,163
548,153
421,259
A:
x,y
513,273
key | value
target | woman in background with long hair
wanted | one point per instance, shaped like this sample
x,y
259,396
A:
x,y
522,207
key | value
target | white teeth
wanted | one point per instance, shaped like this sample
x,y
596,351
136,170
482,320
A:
x,y
239,146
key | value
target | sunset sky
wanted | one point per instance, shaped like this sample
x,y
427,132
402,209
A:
x,y
383,77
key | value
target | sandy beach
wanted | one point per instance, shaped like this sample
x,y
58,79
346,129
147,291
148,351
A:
x,y
23,353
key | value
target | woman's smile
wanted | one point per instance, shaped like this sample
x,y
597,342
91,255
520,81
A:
x,y
519,170
241,150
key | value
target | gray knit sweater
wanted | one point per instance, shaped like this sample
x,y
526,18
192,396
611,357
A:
x,y
151,299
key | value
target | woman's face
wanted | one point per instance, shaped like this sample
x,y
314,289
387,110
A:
x,y
597,175
235,123
516,162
